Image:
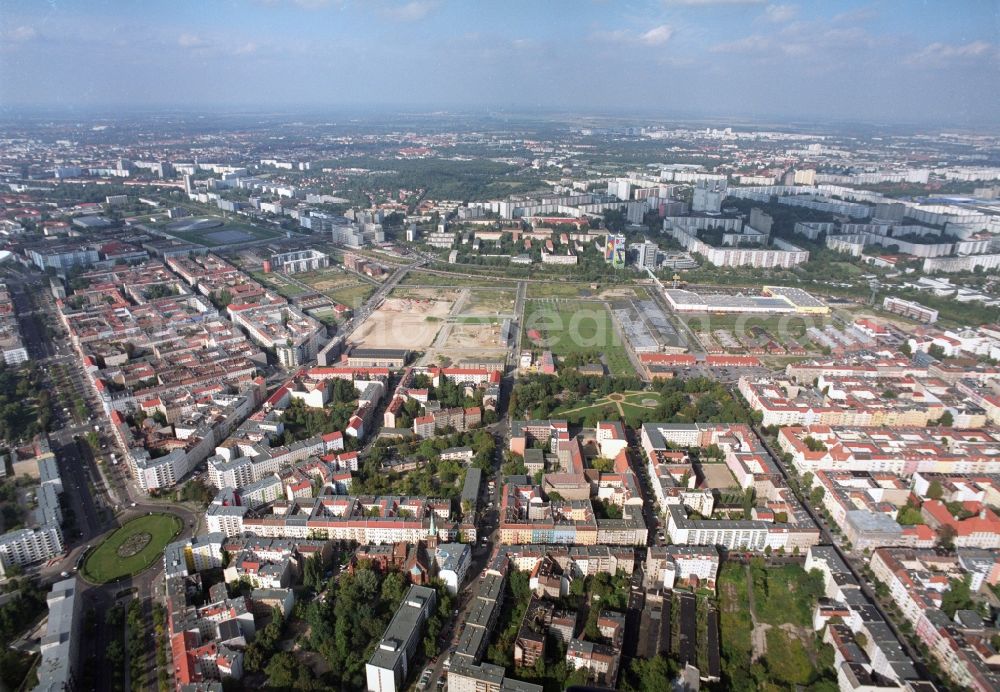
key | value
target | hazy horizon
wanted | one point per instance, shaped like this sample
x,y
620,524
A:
x,y
885,61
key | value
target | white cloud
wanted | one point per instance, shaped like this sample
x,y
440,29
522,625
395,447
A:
x,y
943,54
410,12
657,36
780,13
246,49
191,41
21,33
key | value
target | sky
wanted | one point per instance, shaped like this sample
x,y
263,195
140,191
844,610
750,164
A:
x,y
879,61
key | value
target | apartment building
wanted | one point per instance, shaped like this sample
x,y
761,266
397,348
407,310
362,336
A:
x,y
61,642
916,580
389,666
911,309
902,451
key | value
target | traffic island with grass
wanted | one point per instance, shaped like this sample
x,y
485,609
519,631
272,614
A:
x,y
132,548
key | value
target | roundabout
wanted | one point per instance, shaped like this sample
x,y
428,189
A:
x,y
132,548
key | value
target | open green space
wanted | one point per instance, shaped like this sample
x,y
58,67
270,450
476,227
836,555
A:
x,y
278,283
558,289
489,301
593,408
115,557
785,593
735,623
783,598
787,659
352,295
572,328
416,277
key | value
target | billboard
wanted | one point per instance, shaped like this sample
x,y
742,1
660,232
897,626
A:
x,y
614,251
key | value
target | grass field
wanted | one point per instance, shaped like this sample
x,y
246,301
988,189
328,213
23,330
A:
x,y
107,564
490,301
278,283
568,328
785,593
735,623
352,295
630,405
783,597
787,659
561,289
418,278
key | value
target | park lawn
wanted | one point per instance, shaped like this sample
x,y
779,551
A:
x,y
105,564
787,659
576,416
785,593
634,413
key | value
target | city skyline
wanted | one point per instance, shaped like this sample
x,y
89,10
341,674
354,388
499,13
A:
x,y
718,58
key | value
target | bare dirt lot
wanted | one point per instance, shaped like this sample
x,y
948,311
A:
x,y
717,476
403,323
488,303
474,336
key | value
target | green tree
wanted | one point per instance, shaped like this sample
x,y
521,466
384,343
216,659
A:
x,y
957,597
934,490
816,495
281,670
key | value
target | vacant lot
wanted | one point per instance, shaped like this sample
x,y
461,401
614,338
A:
x,y
132,548
785,593
419,278
489,302
770,625
575,327
734,621
717,476
351,295
403,323
474,336
425,294
279,283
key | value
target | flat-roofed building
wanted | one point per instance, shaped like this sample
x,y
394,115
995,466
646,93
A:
x,y
61,640
388,668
